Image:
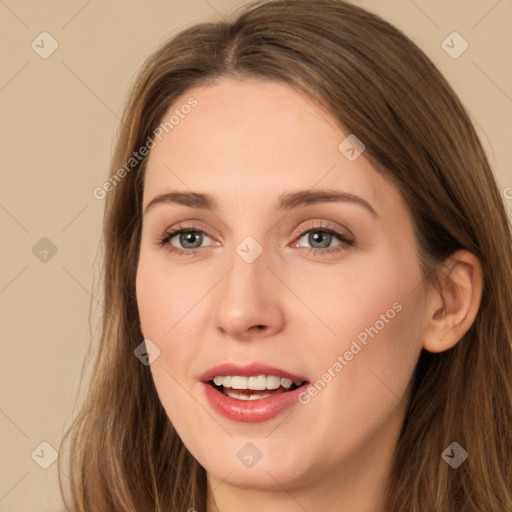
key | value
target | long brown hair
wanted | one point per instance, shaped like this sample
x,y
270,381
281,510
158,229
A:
x,y
124,453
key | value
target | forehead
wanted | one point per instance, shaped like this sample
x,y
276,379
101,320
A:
x,y
251,140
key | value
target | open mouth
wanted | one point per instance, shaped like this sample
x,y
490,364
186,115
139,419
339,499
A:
x,y
255,387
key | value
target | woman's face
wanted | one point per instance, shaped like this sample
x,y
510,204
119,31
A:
x,y
276,281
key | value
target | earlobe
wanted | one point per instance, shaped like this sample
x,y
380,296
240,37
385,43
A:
x,y
454,305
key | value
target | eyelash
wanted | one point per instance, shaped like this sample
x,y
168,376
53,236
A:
x,y
346,242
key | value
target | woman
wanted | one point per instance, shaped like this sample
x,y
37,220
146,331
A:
x,y
306,306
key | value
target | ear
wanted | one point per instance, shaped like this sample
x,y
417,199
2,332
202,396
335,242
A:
x,y
454,305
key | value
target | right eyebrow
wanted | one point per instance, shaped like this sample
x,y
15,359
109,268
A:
x,y
192,199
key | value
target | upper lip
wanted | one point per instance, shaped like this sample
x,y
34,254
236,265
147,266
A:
x,y
249,370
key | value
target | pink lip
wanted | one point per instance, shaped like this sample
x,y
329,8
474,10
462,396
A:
x,y
250,411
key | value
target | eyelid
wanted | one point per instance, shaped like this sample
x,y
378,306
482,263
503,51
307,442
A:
x,y
324,225
346,241
193,225
181,228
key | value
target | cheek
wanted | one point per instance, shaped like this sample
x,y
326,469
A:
x,y
369,296
370,309
376,313
169,319
374,384
164,295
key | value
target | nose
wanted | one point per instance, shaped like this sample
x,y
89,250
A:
x,y
248,303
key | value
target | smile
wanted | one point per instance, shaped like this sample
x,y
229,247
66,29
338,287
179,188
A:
x,y
251,393
255,387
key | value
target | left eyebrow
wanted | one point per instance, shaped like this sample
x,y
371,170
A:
x,y
286,201
292,200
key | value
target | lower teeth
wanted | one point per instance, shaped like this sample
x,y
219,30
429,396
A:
x,y
234,393
245,394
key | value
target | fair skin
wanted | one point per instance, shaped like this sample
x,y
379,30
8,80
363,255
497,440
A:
x,y
246,143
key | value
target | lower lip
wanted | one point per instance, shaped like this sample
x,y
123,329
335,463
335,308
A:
x,y
251,411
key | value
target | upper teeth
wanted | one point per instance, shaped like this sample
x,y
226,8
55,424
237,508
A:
x,y
259,382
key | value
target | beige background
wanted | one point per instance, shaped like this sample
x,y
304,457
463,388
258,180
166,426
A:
x,y
58,117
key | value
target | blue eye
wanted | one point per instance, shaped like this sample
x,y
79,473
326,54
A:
x,y
185,236
321,240
319,236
